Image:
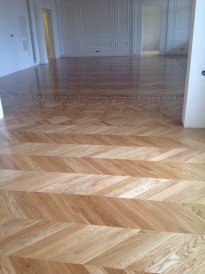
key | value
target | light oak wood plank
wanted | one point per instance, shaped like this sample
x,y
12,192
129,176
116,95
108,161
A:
x,y
97,174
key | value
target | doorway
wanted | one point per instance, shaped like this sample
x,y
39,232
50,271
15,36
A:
x,y
151,30
48,32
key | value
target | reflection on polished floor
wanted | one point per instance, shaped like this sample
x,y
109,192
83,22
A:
x,y
100,185
105,76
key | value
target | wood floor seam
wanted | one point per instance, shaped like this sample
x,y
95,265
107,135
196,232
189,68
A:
x,y
97,174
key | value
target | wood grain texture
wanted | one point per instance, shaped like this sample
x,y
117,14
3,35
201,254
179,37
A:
x,y
100,186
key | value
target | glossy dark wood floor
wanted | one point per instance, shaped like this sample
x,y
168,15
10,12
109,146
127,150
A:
x,y
106,76
100,185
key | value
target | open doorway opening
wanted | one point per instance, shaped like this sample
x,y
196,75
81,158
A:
x,y
151,30
48,32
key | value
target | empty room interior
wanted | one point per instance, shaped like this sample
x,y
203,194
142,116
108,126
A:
x,y
102,137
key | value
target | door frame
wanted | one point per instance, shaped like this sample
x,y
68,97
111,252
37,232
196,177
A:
x,y
137,24
158,29
50,32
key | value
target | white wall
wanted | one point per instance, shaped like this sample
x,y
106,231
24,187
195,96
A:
x,y
1,110
151,28
84,27
179,19
114,27
15,51
194,104
95,25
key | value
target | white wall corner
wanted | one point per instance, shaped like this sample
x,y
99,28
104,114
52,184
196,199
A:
x,y
15,48
194,103
1,110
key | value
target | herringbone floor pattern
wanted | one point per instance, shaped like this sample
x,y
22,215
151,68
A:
x,y
101,186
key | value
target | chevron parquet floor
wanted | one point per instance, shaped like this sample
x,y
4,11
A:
x,y
100,186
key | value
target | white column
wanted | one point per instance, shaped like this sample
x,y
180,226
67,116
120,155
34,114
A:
x,y
1,111
194,104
